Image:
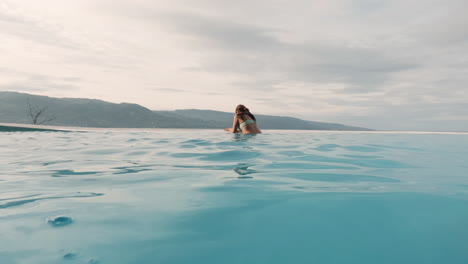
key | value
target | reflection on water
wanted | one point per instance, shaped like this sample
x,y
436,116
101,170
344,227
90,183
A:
x,y
240,137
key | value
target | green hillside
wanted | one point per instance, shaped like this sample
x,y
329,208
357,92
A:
x,y
14,108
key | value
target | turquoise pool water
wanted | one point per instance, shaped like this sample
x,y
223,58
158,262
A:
x,y
206,196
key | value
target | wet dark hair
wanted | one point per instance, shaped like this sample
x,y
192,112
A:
x,y
244,111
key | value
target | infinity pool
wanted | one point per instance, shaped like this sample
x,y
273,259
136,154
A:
x,y
204,196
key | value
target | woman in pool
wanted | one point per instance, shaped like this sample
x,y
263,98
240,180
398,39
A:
x,y
244,122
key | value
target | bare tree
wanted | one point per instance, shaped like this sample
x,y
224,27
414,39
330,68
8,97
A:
x,y
39,115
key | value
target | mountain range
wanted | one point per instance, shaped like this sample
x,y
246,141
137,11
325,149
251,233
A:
x,y
78,112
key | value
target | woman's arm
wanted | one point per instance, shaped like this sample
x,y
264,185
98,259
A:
x,y
235,124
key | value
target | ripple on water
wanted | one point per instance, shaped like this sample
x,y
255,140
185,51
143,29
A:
x,y
197,142
137,153
186,155
20,202
188,146
70,256
55,162
102,151
327,147
25,196
131,169
370,163
362,148
306,166
243,169
335,177
230,155
63,173
332,147
205,167
405,147
361,156
75,257
292,153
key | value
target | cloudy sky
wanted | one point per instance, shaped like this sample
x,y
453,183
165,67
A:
x,y
383,64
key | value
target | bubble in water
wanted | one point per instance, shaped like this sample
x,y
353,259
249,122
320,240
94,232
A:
x,y
60,221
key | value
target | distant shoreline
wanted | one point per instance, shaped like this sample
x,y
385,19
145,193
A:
x,y
14,127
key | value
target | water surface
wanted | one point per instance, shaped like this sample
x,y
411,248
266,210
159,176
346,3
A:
x,y
203,196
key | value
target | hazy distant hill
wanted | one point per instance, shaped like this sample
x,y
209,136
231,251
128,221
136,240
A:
x,y
224,119
97,113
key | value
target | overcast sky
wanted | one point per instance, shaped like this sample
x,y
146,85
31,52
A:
x,y
388,64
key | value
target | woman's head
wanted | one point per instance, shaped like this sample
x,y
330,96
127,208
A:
x,y
242,109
